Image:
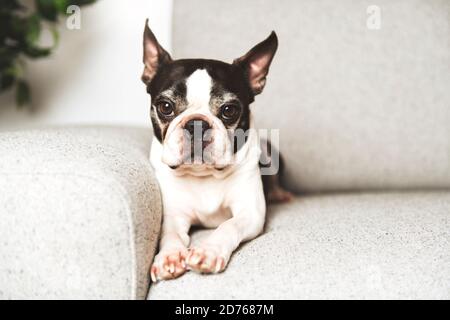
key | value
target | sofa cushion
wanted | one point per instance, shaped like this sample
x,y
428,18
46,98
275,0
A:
x,y
80,213
342,246
357,108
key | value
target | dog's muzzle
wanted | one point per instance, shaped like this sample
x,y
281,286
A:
x,y
199,141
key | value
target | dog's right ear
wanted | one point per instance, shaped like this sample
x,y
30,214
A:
x,y
154,55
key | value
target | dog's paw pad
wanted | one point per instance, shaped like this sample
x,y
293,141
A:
x,y
169,265
205,260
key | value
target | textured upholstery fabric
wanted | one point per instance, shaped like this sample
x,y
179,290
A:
x,y
336,246
356,108
80,213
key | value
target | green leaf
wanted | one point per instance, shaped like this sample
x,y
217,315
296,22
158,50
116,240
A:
x,y
33,29
81,2
23,93
36,52
47,9
61,5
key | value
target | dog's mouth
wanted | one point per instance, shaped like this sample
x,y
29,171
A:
x,y
198,167
197,158
199,155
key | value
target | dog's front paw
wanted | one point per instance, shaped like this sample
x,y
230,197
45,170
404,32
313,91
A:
x,y
169,264
205,260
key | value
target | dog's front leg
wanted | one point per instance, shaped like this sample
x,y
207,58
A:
x,y
248,209
170,262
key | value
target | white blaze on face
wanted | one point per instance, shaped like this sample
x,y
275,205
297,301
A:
x,y
198,87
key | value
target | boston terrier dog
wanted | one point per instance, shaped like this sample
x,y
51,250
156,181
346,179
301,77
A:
x,y
206,154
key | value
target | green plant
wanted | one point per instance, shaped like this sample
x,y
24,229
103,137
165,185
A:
x,y
20,29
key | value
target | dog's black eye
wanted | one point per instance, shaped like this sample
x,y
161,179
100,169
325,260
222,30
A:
x,y
165,108
229,112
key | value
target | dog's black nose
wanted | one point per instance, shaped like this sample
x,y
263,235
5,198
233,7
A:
x,y
197,127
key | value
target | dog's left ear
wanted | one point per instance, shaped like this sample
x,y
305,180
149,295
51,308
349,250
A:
x,y
154,55
257,61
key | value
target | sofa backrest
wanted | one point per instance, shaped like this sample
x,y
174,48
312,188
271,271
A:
x,y
360,93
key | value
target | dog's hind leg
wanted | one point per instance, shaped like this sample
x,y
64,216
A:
x,y
273,191
272,167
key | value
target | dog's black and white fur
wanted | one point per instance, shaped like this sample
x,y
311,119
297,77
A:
x,y
222,188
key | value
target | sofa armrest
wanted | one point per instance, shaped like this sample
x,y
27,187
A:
x,y
80,213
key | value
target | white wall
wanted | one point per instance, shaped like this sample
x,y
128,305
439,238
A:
x,y
94,75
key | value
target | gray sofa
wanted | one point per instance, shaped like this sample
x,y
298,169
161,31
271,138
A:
x,y
80,213
364,125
